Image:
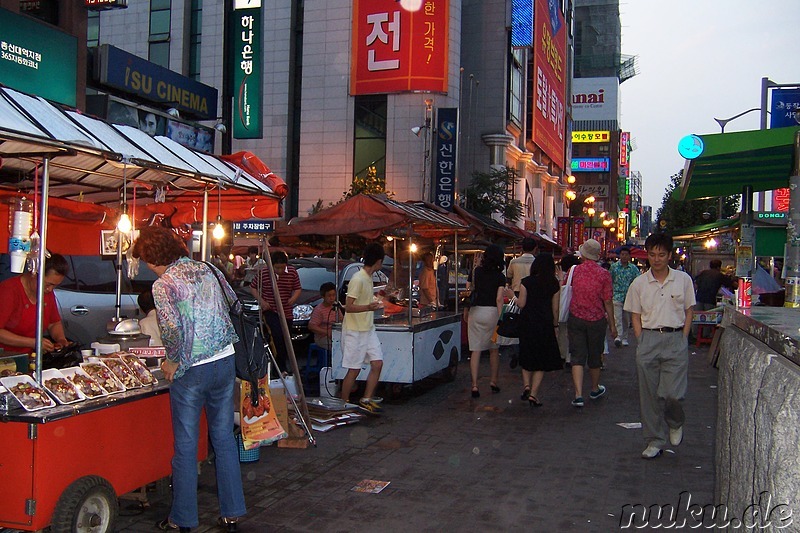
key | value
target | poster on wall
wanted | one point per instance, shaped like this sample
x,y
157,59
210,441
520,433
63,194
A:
x,y
549,79
247,59
399,49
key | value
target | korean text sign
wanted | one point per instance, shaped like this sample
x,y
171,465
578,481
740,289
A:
x,y
549,79
395,50
246,35
445,170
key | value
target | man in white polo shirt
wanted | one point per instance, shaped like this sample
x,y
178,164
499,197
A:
x,y
660,302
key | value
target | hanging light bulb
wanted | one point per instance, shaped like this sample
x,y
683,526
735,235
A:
x,y
124,223
413,248
219,231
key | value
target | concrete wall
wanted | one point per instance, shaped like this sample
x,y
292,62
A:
x,y
758,430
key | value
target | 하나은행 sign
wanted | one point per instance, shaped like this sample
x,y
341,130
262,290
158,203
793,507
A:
x,y
246,50
398,50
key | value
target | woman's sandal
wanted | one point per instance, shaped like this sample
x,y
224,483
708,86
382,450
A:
x,y
494,388
230,524
475,392
534,401
525,393
167,525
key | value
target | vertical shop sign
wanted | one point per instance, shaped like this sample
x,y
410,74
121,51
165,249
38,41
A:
x,y
446,145
398,50
549,79
624,137
577,232
780,200
562,225
246,61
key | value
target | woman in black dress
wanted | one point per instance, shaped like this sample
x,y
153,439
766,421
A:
x,y
538,342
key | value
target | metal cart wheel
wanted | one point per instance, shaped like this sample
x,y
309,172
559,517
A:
x,y
88,505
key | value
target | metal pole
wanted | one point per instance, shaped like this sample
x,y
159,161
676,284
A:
x,y
791,263
410,274
765,84
455,265
204,240
42,268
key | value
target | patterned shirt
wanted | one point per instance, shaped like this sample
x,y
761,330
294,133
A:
x,y
622,277
591,286
194,318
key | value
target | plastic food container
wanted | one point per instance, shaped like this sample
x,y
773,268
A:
x,y
28,393
84,382
104,377
62,389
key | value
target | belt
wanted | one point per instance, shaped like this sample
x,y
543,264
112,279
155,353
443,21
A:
x,y
664,330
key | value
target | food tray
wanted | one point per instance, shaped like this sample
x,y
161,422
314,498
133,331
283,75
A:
x,y
84,382
124,374
39,399
139,369
67,393
104,377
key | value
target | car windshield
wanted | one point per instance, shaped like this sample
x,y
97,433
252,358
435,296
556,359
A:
x,y
313,278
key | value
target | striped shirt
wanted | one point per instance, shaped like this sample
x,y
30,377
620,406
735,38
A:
x,y
288,282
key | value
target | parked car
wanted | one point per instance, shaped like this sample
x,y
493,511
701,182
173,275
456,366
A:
x,y
87,296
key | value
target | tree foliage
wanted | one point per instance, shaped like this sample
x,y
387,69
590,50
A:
x,y
370,183
491,192
686,213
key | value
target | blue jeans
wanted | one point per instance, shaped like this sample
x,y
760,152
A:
x,y
210,385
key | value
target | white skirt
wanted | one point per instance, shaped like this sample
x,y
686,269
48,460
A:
x,y
481,325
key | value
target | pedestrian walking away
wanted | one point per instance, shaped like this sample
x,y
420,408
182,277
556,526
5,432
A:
x,y
590,314
623,273
660,302
520,267
538,343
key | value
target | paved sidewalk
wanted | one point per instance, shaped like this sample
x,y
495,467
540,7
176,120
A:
x,y
491,464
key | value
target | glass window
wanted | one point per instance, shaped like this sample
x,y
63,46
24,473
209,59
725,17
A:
x,y
93,29
369,150
196,31
159,24
516,87
159,54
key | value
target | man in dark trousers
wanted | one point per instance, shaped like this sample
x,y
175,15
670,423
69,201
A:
x,y
707,284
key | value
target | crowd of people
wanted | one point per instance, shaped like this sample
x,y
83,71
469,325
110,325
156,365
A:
x,y
606,301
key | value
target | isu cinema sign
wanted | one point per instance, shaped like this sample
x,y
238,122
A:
x,y
98,5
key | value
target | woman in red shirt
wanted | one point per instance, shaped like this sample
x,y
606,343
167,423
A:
x,y
18,312
591,312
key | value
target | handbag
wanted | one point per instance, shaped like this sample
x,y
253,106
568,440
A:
x,y
510,322
565,297
251,359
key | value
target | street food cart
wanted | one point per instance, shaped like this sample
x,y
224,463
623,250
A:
x,y
417,343
64,465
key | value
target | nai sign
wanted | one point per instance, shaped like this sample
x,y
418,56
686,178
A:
x,y
595,99
395,50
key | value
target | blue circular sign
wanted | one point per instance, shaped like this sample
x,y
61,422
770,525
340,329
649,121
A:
x,y
690,147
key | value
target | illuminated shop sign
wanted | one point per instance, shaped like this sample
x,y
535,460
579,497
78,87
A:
x,y
99,5
254,226
591,136
445,171
591,164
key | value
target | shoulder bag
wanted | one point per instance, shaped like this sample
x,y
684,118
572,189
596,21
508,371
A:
x,y
251,358
565,297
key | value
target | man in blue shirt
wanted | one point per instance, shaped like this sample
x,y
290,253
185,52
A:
x,y
622,275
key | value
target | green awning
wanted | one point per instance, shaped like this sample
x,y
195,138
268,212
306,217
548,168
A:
x,y
729,161
694,232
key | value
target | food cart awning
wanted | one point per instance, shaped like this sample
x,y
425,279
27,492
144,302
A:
x,y
90,158
486,227
705,230
729,161
371,216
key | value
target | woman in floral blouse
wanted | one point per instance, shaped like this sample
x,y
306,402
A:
x,y
193,316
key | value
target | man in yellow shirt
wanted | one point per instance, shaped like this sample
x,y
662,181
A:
x,y
360,341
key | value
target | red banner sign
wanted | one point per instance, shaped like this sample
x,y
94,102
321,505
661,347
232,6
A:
x,y
562,225
549,79
395,50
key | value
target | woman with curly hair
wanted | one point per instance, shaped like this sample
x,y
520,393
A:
x,y
191,300
489,284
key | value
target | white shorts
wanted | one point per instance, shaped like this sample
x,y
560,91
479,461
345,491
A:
x,y
359,347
